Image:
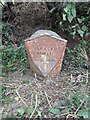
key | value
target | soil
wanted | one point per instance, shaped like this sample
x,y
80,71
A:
x,y
51,92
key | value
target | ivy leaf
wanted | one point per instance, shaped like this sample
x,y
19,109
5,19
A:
x,y
66,10
21,111
84,28
29,111
80,33
85,113
73,33
0,88
70,17
55,111
1,91
79,20
16,98
74,12
64,17
69,6
39,113
26,81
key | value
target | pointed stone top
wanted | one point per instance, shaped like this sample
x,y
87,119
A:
x,y
50,33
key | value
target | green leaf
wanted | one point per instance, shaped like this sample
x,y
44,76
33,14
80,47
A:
x,y
84,28
21,111
64,17
66,10
55,111
70,17
25,81
83,18
73,26
79,20
29,111
60,23
0,88
73,33
69,6
74,12
16,98
80,33
0,26
39,113
1,91
85,113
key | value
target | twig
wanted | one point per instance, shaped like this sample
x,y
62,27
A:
x,y
87,75
38,114
85,92
79,107
87,82
47,99
69,115
13,85
64,114
8,84
21,98
35,76
8,93
32,101
35,107
1,111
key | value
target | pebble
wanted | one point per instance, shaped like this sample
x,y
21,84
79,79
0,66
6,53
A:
x,y
48,82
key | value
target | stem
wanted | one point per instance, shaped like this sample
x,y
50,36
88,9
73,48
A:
x,y
86,86
47,99
21,98
34,108
79,107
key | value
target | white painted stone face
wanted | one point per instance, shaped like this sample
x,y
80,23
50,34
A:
x,y
49,33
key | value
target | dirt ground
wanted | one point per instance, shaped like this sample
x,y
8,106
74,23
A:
x,y
51,93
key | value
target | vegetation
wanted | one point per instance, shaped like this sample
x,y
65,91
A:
x,y
14,58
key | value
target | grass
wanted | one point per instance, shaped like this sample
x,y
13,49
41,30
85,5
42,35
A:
x,y
13,58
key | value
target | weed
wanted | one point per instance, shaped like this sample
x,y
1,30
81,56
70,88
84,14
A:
x,y
6,32
73,55
13,58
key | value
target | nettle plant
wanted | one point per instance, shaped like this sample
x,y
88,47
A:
x,y
78,23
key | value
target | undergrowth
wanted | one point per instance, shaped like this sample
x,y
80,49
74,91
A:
x,y
73,55
13,58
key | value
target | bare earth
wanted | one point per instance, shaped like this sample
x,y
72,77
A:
x,y
51,93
